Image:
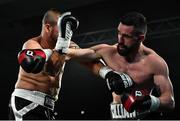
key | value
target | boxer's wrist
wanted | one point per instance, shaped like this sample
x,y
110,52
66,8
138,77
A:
x,y
59,43
155,103
103,71
48,53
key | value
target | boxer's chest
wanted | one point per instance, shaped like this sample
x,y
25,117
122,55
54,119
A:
x,y
139,71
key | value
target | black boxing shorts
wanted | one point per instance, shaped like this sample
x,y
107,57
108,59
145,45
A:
x,y
27,105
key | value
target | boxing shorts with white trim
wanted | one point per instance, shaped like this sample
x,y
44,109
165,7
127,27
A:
x,y
119,112
31,105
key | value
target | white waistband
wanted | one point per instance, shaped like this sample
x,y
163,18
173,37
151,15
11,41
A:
x,y
119,112
36,97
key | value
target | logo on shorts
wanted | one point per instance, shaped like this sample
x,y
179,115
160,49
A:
x,y
119,112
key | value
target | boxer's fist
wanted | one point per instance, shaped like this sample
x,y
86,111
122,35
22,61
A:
x,y
32,60
145,103
66,25
116,82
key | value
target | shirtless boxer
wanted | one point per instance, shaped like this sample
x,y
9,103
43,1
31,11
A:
x,y
133,71
42,66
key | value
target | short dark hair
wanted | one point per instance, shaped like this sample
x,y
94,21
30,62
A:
x,y
137,20
49,16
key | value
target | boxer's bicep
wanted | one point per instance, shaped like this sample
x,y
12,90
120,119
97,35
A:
x,y
96,52
166,92
163,82
87,54
83,54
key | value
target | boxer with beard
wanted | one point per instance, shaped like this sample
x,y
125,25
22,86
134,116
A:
x,y
133,71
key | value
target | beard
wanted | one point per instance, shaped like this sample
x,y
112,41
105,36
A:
x,y
54,38
125,50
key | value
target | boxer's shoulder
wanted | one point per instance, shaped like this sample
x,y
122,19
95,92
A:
x,y
156,63
32,43
154,58
146,50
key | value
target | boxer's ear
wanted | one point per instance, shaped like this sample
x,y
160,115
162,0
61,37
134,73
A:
x,y
48,27
141,37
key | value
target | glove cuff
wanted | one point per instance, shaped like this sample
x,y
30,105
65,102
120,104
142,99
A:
x,y
48,53
155,102
103,71
62,45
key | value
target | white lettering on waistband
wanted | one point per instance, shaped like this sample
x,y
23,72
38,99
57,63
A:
x,y
119,112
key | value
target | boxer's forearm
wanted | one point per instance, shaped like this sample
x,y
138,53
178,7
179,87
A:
x,y
87,57
94,66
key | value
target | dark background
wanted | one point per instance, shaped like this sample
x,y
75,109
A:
x,y
81,90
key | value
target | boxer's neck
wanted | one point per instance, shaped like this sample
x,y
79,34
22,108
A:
x,y
135,56
46,42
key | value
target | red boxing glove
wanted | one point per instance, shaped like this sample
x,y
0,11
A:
x,y
32,60
142,103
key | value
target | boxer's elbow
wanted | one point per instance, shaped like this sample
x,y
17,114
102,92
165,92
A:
x,y
167,105
171,104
